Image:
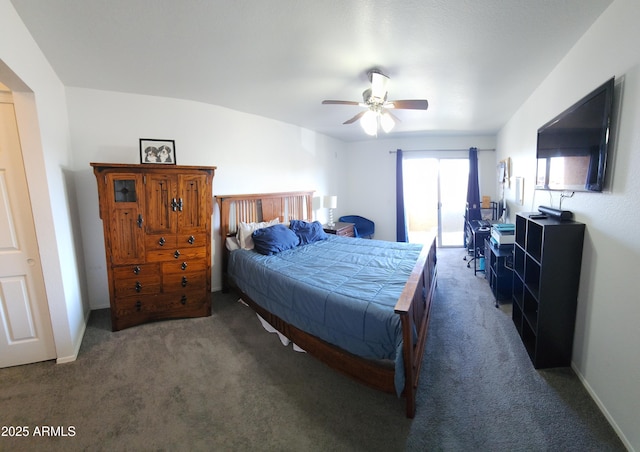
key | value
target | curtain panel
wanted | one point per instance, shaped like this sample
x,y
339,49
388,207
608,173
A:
x,y
402,234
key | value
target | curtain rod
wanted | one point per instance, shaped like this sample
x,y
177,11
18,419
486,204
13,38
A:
x,y
441,150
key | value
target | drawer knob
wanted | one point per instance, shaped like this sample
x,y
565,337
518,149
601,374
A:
x,y
176,254
138,305
162,241
184,281
183,300
183,266
138,286
136,270
191,239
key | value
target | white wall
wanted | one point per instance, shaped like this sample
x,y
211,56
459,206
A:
x,y
368,183
252,155
606,352
256,154
41,113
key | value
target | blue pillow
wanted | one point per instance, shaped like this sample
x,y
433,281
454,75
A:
x,y
274,239
308,232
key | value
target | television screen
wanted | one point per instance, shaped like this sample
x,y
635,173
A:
x,y
572,147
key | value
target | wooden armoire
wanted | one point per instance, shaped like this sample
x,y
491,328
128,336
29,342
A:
x,y
157,235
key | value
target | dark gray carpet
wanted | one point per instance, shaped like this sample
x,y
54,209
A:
x,y
223,383
478,388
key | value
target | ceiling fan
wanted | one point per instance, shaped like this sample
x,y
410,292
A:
x,y
377,106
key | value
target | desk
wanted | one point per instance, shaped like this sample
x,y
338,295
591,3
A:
x,y
490,212
499,270
478,233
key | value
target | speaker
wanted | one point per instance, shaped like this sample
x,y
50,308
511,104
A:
x,y
556,213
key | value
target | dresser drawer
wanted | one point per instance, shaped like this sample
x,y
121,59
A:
x,y
174,282
181,265
149,284
341,229
135,271
130,311
193,240
179,253
346,232
159,242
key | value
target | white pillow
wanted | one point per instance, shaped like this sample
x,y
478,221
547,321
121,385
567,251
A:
x,y
232,243
246,229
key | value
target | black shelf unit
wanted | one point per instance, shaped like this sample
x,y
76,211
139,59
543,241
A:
x,y
547,257
499,270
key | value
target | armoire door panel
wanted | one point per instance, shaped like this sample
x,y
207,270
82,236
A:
x,y
127,238
161,200
124,208
194,203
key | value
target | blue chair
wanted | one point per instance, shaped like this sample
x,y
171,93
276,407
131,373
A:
x,y
363,227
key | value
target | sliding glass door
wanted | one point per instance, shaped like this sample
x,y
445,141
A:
x,y
435,191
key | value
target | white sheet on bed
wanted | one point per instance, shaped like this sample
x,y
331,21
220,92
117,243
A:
x,y
267,326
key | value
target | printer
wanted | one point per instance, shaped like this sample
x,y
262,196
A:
x,y
503,234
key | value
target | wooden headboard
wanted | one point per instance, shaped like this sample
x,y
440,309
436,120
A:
x,y
294,205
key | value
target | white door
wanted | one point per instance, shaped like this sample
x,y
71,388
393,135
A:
x,y
25,326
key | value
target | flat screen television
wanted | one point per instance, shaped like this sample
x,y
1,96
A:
x,y
572,147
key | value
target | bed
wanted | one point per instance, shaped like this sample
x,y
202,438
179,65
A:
x,y
360,306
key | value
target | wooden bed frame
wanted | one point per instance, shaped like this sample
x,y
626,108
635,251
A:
x,y
413,306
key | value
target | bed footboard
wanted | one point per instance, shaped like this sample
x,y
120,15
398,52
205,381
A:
x,y
414,308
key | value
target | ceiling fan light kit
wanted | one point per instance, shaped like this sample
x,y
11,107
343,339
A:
x,y
369,123
377,114
387,122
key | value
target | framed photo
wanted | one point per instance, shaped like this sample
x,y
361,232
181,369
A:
x,y
157,151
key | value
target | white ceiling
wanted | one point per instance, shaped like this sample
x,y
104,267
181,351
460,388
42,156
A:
x,y
476,61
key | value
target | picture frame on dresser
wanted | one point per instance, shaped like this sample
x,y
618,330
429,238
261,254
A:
x,y
161,152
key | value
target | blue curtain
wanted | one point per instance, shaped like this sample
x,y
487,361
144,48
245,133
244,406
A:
x,y
402,235
472,211
473,187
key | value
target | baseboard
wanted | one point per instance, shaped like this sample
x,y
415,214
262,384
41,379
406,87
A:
x,y
602,408
76,351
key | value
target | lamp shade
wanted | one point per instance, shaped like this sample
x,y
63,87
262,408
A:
x,y
369,123
330,201
387,122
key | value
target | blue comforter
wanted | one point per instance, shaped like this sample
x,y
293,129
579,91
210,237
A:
x,y
342,290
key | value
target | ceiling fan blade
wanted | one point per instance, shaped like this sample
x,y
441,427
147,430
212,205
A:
x,y
415,104
355,118
340,102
